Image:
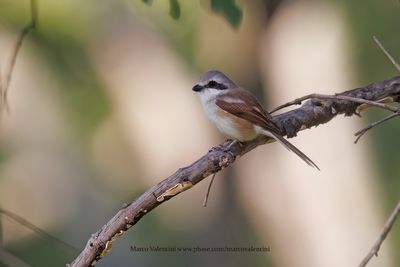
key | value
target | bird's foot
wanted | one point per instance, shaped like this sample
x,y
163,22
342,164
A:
x,y
232,143
226,148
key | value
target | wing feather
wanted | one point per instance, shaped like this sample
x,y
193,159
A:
x,y
249,109
252,111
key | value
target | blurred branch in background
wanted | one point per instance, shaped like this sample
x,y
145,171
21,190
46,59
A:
x,y
393,217
33,227
312,113
396,65
6,257
6,79
10,259
382,236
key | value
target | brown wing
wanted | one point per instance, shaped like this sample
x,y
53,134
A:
x,y
250,109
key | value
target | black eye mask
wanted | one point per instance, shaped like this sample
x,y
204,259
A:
x,y
215,85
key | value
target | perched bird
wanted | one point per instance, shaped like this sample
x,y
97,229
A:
x,y
237,113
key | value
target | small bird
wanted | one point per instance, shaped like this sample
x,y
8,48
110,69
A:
x,y
237,113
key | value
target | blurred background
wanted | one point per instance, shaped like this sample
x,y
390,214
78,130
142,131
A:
x,y
101,109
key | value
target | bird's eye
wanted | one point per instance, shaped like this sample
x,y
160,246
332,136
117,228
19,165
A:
x,y
212,84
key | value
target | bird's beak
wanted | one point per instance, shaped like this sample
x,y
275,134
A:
x,y
197,88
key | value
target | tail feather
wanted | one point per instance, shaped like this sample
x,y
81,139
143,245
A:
x,y
292,148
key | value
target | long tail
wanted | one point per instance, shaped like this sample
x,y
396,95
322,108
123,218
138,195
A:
x,y
292,148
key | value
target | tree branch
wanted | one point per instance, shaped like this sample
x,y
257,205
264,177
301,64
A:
x,y
5,82
7,258
382,236
389,56
312,113
10,259
361,132
34,228
392,218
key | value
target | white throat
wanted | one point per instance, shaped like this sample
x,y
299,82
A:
x,y
208,97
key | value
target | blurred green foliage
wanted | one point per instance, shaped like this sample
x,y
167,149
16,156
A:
x,y
80,88
228,8
174,9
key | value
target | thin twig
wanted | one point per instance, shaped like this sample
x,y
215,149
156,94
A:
x,y
13,58
376,123
396,65
298,101
392,218
9,259
34,228
363,131
1,232
382,235
208,190
1,84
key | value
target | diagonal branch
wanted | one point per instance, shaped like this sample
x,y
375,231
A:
x,y
298,101
312,113
1,232
389,56
5,81
385,231
361,132
34,228
7,258
10,259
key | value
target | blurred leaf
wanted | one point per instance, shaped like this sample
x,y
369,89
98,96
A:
x,y
148,2
232,13
174,9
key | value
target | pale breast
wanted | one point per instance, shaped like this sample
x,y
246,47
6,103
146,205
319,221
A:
x,y
234,127
228,124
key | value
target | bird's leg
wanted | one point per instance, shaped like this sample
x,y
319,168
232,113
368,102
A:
x,y
233,142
